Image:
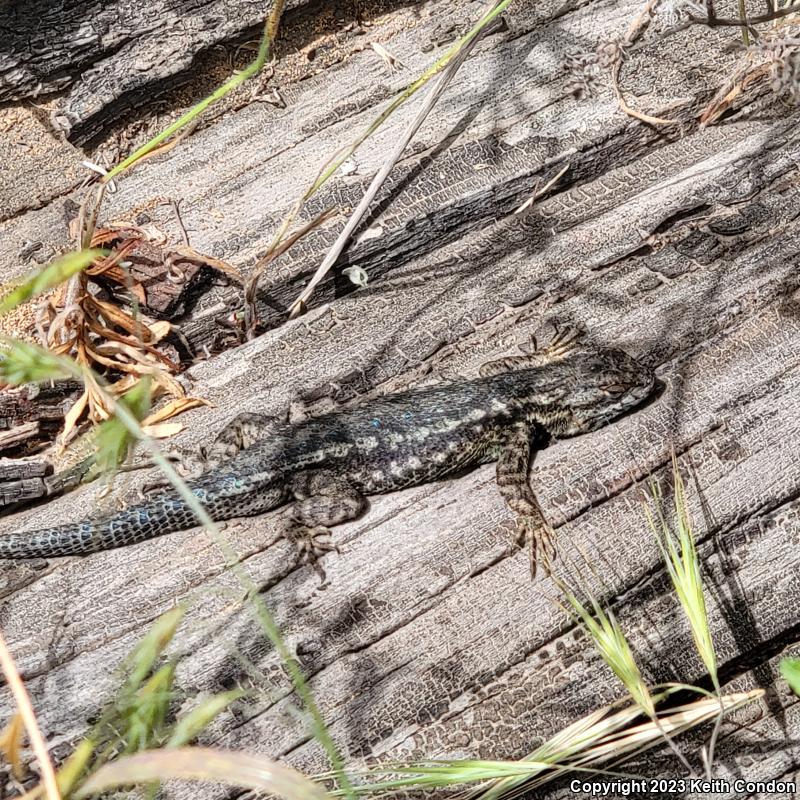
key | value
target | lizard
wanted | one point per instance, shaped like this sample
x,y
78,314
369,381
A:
x,y
324,467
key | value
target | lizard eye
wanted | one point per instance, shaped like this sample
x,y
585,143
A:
x,y
614,388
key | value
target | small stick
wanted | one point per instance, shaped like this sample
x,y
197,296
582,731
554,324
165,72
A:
x,y
280,249
634,29
176,209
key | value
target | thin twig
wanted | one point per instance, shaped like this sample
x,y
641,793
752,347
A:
x,y
446,77
712,742
634,29
541,191
626,109
748,23
339,157
176,210
25,708
272,254
743,18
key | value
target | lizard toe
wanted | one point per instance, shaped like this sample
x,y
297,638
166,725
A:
x,y
312,543
540,538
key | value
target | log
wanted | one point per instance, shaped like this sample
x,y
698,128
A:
x,y
110,58
44,404
679,244
21,481
16,436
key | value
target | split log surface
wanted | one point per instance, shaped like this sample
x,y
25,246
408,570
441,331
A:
x,y
679,244
110,55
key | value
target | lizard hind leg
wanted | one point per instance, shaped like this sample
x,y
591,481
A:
x,y
241,433
323,499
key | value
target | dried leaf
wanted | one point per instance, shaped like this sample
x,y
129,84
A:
x,y
117,364
192,255
173,408
121,276
113,445
168,383
104,236
122,385
72,416
392,62
134,353
113,258
164,430
116,316
131,361
158,330
99,406
204,764
64,348
102,331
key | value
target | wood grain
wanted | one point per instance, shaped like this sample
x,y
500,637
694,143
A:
x,y
679,245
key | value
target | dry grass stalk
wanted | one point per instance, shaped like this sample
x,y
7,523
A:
x,y
25,710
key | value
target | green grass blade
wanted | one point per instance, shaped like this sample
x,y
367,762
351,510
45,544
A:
x,y
198,719
75,766
55,272
22,362
113,440
790,670
610,641
270,31
679,552
148,710
142,660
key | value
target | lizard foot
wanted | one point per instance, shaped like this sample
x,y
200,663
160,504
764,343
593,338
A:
x,y
312,543
562,343
540,538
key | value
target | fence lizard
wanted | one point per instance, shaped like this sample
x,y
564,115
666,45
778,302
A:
x,y
325,466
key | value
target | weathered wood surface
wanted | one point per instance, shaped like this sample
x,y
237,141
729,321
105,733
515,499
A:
x,y
21,481
110,56
31,416
679,245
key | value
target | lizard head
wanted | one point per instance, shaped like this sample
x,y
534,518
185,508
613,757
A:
x,y
601,387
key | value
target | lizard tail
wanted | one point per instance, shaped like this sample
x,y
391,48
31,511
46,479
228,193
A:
x,y
223,498
135,524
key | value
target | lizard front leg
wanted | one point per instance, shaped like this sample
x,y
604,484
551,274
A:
x,y
513,468
322,499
